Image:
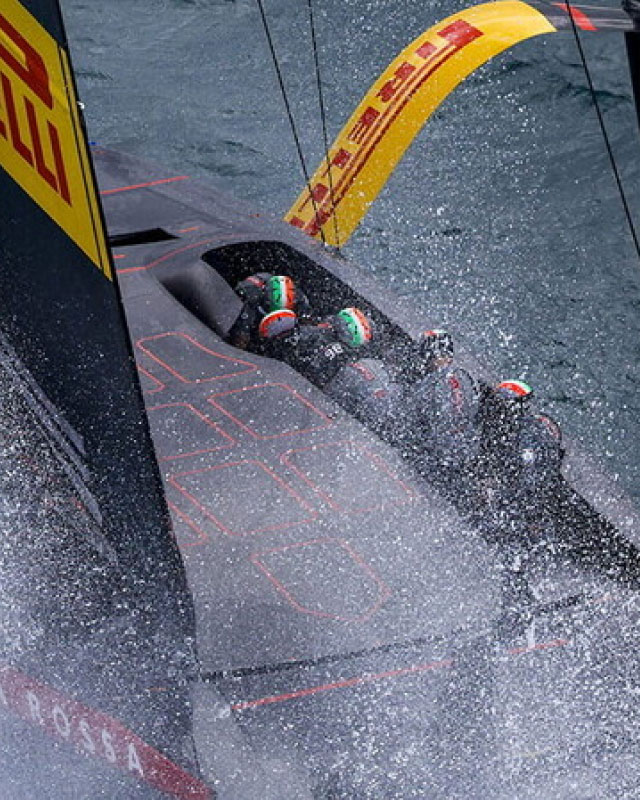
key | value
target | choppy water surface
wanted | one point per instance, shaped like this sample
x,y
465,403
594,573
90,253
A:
x,y
503,220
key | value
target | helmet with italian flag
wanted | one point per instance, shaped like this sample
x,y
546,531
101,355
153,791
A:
x,y
352,327
516,393
280,292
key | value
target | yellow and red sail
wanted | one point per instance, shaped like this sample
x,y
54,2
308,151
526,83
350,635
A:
x,y
42,144
400,102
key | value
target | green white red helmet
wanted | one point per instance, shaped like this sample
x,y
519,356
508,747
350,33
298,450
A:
x,y
352,327
280,292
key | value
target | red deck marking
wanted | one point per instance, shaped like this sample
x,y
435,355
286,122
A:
x,y
384,592
159,384
188,230
208,513
326,421
167,256
119,255
518,651
144,185
202,537
579,17
95,734
230,441
394,673
185,336
378,463
327,687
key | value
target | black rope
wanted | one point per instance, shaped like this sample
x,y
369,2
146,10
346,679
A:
x,y
323,117
289,114
605,136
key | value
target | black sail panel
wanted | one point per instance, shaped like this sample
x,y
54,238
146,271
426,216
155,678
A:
x,y
60,307
93,599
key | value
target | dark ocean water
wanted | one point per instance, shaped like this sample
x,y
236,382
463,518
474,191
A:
x,y
503,221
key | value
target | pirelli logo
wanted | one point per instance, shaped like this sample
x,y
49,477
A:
x,y
42,145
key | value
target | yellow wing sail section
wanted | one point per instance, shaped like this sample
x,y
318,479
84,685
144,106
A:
x,y
397,106
42,143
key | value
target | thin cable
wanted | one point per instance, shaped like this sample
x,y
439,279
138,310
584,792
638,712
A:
x,y
289,114
323,117
605,136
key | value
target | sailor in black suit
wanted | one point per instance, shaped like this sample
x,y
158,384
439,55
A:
x,y
262,294
445,401
521,459
318,351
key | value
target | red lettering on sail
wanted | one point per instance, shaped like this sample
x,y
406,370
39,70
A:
x,y
33,72
460,33
63,186
24,124
319,192
12,118
426,50
41,166
341,158
399,77
313,228
359,130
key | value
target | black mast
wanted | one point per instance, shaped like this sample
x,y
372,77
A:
x,y
632,40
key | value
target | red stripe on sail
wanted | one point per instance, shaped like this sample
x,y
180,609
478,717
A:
x,y
579,17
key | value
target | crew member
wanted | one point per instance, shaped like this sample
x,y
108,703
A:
x,y
365,389
318,351
422,357
445,405
540,453
503,410
251,291
522,452
263,293
281,292
278,326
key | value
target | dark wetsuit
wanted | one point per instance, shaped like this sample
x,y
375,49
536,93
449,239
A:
x,y
445,407
365,389
312,350
519,468
539,457
519,449
244,333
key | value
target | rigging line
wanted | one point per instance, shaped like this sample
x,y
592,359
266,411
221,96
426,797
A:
x,y
605,135
292,123
323,117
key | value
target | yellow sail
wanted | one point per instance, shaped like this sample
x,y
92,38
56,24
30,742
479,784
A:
x,y
397,106
42,145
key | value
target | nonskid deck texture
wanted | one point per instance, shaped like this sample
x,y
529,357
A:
x,y
303,535
337,594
